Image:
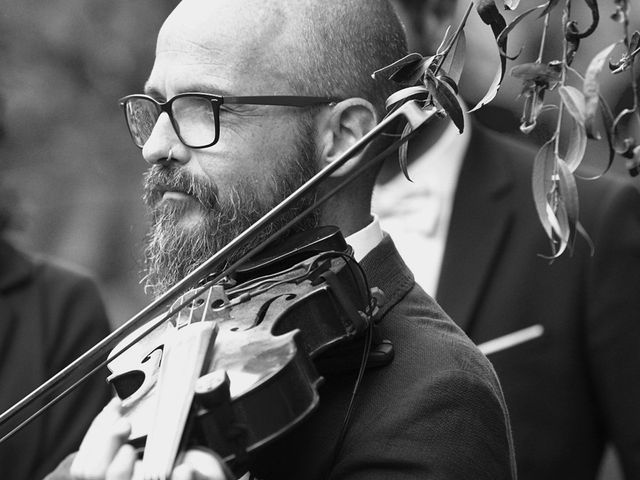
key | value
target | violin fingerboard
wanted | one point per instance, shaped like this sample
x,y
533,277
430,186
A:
x,y
185,352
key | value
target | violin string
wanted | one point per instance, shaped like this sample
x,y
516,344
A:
x,y
208,303
258,282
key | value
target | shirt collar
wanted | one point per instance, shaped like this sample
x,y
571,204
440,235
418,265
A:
x,y
366,239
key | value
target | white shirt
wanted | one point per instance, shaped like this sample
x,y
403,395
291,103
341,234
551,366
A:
x,y
416,214
365,240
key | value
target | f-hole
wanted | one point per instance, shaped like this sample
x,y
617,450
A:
x,y
262,312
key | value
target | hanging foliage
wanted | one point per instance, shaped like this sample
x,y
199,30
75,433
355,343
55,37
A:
x,y
433,80
579,106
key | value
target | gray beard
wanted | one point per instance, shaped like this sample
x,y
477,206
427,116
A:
x,y
172,251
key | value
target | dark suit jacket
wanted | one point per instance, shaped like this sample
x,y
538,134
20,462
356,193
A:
x,y
436,412
48,316
579,384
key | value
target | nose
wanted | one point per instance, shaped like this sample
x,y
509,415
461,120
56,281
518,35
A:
x,y
163,144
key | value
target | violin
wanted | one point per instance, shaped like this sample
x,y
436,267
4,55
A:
x,y
251,345
229,357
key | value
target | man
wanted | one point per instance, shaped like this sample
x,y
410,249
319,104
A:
x,y
49,315
436,410
572,389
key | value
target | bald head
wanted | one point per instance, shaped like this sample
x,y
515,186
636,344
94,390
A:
x,y
305,47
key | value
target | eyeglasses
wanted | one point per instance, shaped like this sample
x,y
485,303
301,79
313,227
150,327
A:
x,y
195,116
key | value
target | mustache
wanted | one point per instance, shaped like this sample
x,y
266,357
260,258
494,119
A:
x,y
159,179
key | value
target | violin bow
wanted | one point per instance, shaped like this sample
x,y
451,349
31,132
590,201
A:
x,y
408,105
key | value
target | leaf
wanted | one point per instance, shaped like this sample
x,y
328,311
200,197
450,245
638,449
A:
x,y
577,145
501,39
591,88
607,120
449,81
403,152
412,74
623,145
569,201
573,100
408,70
635,41
491,92
543,169
454,62
448,100
388,71
490,15
572,38
556,198
595,19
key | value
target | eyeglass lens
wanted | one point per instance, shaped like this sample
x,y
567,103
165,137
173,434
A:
x,y
193,119
142,116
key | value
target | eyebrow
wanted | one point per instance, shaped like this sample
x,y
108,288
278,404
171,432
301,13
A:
x,y
193,87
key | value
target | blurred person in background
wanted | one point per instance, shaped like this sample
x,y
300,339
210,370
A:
x,y
49,315
467,227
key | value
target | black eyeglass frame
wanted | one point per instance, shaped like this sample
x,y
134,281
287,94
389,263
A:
x,y
216,102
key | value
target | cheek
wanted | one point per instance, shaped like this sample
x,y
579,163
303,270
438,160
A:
x,y
252,153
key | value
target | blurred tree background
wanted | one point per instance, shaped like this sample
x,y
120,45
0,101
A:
x,y
66,150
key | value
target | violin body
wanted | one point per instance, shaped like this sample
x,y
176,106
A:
x,y
257,379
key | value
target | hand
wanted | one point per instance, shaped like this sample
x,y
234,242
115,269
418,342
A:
x,y
105,455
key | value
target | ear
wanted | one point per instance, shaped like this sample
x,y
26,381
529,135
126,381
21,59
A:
x,y
345,124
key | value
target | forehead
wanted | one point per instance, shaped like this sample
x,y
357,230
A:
x,y
221,47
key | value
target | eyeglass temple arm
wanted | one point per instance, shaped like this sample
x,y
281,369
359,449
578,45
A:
x,y
282,100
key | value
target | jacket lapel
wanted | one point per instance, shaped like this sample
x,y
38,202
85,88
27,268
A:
x,y
386,270
479,222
